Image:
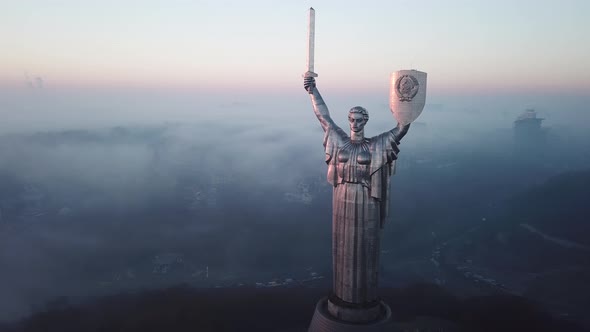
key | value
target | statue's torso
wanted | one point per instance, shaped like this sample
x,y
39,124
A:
x,y
354,162
368,162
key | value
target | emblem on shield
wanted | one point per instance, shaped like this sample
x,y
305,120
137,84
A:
x,y
407,95
406,87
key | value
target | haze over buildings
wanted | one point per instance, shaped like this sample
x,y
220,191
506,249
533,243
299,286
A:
x,y
130,133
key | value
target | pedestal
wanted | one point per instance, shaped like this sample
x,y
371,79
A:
x,y
354,313
323,321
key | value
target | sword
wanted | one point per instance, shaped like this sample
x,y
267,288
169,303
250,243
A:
x,y
310,43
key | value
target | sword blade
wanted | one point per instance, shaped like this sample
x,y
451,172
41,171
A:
x,y
310,44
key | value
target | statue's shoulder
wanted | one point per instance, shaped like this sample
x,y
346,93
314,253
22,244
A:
x,y
336,134
385,143
385,137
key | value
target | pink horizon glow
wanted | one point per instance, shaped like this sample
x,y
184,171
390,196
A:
x,y
436,85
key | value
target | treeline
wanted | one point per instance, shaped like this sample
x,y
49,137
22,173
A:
x,y
558,207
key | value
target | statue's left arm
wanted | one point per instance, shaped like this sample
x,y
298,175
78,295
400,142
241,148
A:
x,y
400,131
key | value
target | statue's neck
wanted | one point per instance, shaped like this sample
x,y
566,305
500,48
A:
x,y
357,136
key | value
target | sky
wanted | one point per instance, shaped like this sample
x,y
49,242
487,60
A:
x,y
464,46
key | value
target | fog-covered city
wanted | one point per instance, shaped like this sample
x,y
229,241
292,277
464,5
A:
x,y
162,168
235,195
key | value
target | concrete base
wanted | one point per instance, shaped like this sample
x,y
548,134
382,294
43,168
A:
x,y
323,321
354,313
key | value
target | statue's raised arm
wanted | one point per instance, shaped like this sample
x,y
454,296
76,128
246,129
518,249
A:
x,y
400,131
319,106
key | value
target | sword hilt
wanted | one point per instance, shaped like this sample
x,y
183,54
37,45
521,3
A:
x,y
310,74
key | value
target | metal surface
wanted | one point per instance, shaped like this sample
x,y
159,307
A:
x,y
407,95
310,44
323,321
359,169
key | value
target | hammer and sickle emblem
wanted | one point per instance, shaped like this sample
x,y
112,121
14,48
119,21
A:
x,y
406,87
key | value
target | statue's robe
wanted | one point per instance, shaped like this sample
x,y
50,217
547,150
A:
x,y
360,173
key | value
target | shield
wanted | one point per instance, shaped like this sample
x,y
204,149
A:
x,y
407,95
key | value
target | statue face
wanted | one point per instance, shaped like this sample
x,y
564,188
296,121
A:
x,y
357,122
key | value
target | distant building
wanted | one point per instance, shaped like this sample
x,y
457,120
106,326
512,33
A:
x,y
527,129
163,263
300,195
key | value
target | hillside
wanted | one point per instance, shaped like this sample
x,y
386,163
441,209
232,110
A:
x,y
558,207
421,306
538,246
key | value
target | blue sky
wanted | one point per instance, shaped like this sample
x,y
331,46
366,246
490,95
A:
x,y
474,46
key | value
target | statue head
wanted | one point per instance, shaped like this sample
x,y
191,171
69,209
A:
x,y
357,118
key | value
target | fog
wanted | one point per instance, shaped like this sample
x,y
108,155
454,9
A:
x,y
95,184
51,108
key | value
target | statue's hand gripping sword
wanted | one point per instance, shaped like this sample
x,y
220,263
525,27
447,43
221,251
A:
x,y
310,44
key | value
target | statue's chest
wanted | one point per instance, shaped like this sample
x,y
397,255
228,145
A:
x,y
354,153
354,160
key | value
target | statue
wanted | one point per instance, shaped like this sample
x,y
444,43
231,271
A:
x,y
360,170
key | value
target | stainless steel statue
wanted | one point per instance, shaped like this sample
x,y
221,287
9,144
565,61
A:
x,y
360,169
